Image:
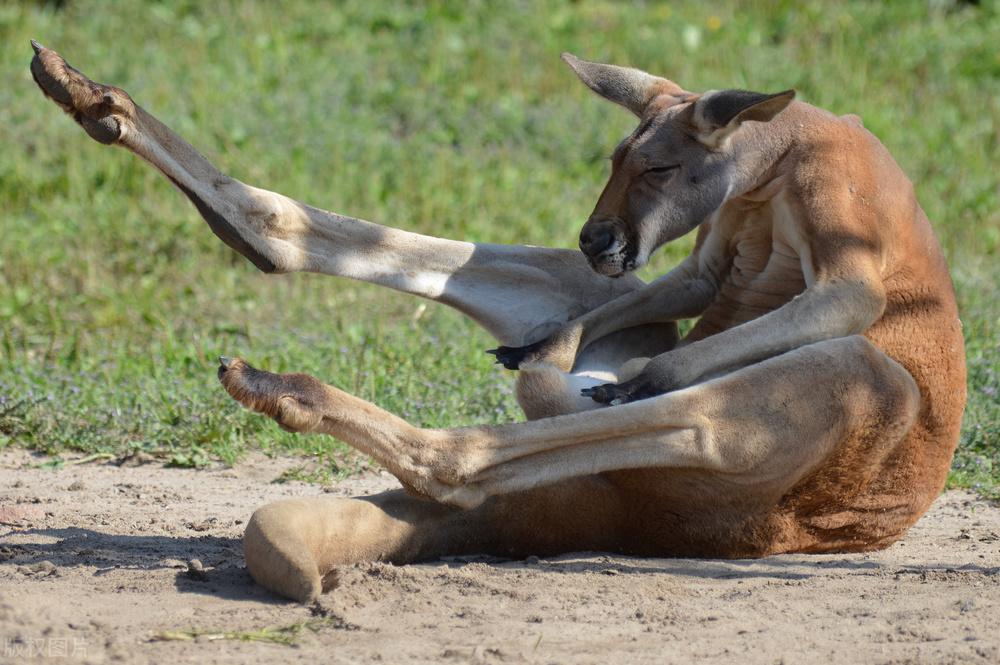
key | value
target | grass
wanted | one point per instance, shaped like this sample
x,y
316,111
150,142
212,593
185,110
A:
x,y
454,119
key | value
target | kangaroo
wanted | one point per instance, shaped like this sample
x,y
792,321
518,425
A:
x,y
814,406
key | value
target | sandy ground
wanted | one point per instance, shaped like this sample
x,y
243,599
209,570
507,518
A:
x,y
95,567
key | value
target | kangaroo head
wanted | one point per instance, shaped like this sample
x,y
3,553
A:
x,y
681,163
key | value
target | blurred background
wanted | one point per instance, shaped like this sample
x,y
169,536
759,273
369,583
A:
x,y
454,119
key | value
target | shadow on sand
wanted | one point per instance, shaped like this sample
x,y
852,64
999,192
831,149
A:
x,y
224,575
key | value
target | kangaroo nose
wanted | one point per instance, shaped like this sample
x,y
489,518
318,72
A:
x,y
595,241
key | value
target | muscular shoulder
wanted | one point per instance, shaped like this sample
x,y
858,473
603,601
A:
x,y
835,156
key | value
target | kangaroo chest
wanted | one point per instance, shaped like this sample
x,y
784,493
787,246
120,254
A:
x,y
758,259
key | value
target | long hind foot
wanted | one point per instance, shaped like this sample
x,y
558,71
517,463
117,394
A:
x,y
300,403
293,400
103,111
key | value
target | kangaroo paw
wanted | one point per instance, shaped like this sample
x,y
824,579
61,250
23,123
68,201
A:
x,y
292,400
614,394
511,357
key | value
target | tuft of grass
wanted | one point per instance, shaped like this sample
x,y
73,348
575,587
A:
x,y
324,470
447,118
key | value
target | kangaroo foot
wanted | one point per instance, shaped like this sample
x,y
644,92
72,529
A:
x,y
102,110
292,400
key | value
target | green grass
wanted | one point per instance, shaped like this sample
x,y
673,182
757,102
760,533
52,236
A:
x,y
454,119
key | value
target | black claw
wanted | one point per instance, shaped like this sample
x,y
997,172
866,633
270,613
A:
x,y
596,393
511,357
608,393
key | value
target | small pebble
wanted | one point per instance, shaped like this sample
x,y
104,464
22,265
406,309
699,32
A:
x,y
196,571
43,568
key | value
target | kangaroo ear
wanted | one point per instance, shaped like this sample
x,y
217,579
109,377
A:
x,y
632,88
719,113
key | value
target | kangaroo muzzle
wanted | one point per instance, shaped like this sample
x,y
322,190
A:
x,y
608,245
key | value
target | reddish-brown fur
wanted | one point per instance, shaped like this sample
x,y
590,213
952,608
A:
x,y
864,241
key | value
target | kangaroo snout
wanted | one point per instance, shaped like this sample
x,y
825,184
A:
x,y
593,241
605,243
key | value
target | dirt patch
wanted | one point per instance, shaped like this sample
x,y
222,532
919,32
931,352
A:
x,y
144,564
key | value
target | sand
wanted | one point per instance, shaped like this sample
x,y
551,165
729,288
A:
x,y
143,564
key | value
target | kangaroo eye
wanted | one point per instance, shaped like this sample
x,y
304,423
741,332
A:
x,y
660,175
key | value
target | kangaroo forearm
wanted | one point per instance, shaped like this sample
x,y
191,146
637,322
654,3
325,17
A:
x,y
823,312
676,296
